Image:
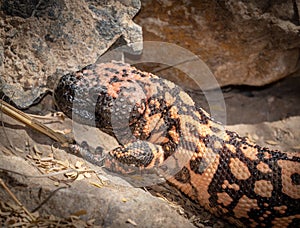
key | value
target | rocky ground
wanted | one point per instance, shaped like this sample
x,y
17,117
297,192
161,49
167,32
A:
x,y
97,198
232,37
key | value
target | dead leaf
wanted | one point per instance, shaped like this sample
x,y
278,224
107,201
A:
x,y
78,164
131,222
271,142
80,177
96,184
79,213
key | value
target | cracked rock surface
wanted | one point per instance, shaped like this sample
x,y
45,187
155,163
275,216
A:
x,y
39,39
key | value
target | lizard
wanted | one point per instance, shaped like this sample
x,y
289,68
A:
x,y
154,120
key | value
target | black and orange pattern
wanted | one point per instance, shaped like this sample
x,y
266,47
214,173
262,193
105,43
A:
x,y
154,120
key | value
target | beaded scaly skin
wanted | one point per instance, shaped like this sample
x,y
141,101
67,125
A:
x,y
246,184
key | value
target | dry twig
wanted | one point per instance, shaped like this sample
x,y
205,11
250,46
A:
x,y
16,200
26,119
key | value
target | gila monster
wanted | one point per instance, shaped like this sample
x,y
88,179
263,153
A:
x,y
249,185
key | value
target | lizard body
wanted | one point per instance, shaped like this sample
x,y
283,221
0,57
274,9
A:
x,y
154,120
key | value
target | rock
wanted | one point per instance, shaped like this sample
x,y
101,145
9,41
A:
x,y
243,42
110,205
108,199
279,135
39,39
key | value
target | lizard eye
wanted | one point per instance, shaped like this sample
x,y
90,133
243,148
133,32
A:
x,y
94,97
94,94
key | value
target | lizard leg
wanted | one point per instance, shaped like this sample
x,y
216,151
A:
x,y
138,155
83,150
130,158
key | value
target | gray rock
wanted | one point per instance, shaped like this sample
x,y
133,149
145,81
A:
x,y
39,39
112,205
